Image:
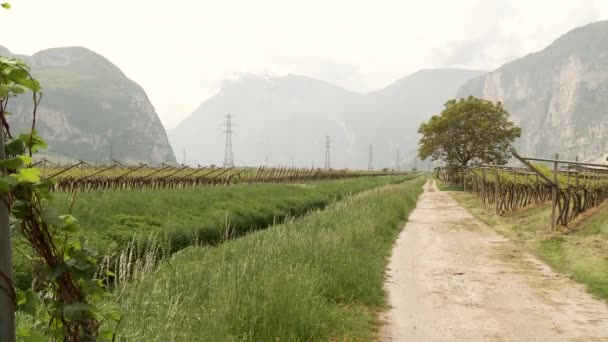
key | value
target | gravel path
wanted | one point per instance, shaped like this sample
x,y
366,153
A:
x,y
452,278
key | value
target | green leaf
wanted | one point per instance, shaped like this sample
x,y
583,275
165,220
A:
x,y
25,159
6,183
29,302
6,6
55,271
66,223
14,147
13,163
17,90
68,219
30,84
75,310
50,215
107,334
19,209
33,141
28,175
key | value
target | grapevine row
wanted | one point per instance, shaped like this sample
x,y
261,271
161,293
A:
x,y
571,187
84,177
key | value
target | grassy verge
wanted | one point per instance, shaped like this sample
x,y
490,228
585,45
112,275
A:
x,y
319,277
441,185
179,218
583,254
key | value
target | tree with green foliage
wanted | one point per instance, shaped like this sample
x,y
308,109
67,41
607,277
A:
x,y
468,130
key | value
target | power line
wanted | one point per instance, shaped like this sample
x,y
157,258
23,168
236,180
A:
x,y
228,155
327,156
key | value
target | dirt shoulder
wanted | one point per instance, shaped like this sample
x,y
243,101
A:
x,y
452,278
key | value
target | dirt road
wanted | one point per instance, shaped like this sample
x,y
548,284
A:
x,y
451,278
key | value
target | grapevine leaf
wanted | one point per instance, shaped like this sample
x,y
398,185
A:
x,y
68,223
28,302
28,175
33,141
56,270
6,6
12,163
75,310
6,183
19,209
50,216
14,147
17,90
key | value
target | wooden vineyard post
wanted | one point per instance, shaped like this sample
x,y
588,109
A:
x,y
496,189
576,174
464,180
554,190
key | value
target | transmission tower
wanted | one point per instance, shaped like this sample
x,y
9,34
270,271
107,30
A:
x,y
327,159
397,163
370,166
228,156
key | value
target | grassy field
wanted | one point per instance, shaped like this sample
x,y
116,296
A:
x,y
581,254
318,277
175,219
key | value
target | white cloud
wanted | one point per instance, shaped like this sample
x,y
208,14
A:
x,y
180,51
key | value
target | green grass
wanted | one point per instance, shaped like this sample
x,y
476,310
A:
x,y
316,278
179,218
582,254
441,185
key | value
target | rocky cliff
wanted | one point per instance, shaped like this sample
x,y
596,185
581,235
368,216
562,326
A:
x,y
90,110
559,96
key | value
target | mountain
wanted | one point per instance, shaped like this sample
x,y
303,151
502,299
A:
x,y
90,110
284,120
559,96
389,118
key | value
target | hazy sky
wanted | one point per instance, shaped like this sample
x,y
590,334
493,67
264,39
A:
x,y
180,51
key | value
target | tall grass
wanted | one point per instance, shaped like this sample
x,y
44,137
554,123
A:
x,y
174,219
319,277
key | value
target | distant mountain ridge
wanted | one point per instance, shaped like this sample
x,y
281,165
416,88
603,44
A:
x,y
284,120
558,95
90,110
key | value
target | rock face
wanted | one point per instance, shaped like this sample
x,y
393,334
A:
x,y
90,110
559,96
284,120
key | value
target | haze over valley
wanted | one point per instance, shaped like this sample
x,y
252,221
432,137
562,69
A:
x,y
284,120
284,105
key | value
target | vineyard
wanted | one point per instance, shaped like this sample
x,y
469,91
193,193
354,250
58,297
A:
x,y
117,176
572,187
